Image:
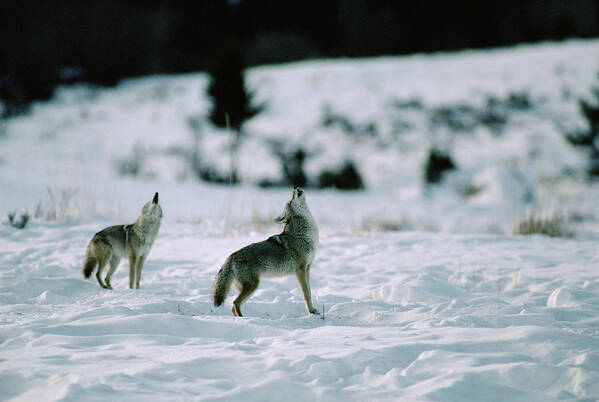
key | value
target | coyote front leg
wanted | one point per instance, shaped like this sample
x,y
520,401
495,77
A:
x,y
138,268
132,270
303,277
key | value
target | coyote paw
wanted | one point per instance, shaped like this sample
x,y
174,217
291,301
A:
x,y
314,311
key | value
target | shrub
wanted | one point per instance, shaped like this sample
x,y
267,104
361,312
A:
x,y
494,115
293,168
437,164
19,224
331,119
346,178
198,166
211,175
456,118
413,103
519,101
292,164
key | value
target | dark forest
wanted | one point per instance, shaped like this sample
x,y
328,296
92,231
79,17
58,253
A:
x,y
47,43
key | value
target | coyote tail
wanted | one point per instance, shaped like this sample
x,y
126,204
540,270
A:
x,y
89,262
222,283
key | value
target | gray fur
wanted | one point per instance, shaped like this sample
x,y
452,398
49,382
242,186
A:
x,y
134,241
288,253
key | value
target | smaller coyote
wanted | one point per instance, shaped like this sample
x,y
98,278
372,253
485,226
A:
x,y
115,242
288,253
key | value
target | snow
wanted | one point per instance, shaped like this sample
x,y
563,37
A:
x,y
426,294
414,316
76,141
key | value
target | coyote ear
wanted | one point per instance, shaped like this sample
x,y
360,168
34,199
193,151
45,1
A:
x,y
155,199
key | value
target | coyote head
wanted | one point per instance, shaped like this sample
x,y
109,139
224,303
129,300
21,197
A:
x,y
152,210
295,206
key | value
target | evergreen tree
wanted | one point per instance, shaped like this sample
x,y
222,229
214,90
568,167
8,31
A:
x,y
590,137
231,101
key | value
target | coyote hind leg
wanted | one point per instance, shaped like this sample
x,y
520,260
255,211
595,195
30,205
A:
x,y
246,290
101,264
114,263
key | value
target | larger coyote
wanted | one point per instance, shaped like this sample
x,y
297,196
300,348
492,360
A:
x,y
288,253
115,242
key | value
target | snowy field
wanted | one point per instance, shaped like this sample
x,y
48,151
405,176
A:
x,y
408,316
426,293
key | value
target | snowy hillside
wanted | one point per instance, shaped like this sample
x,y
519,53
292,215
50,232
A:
x,y
503,116
426,292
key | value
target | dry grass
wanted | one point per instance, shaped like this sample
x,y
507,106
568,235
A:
x,y
62,205
554,225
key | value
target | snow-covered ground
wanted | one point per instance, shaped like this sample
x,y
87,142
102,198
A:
x,y
407,316
426,293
